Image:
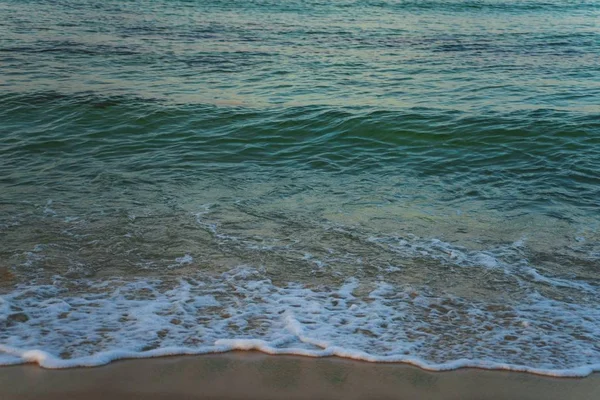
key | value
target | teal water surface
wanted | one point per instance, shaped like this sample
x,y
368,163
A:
x,y
440,146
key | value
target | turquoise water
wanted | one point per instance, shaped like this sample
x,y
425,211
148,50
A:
x,y
433,165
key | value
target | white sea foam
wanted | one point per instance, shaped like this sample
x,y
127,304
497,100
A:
x,y
186,259
49,211
518,266
510,258
89,323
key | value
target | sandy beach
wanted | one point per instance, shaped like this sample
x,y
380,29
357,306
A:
x,y
252,375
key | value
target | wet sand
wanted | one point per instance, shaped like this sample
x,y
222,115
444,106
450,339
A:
x,y
253,375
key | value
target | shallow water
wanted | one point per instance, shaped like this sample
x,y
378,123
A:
x,y
393,181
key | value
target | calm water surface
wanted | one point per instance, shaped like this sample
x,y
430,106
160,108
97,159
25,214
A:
x,y
387,180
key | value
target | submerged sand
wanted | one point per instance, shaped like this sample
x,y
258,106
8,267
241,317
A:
x,y
253,375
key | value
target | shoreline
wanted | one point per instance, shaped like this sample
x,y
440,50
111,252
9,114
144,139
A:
x,y
251,374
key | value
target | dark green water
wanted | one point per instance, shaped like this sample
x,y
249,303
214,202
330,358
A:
x,y
447,150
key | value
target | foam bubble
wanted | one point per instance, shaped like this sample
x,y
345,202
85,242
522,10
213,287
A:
x,y
508,259
89,323
186,259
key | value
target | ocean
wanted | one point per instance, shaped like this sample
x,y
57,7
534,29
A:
x,y
407,181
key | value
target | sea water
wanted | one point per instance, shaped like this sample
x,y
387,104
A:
x,y
397,181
